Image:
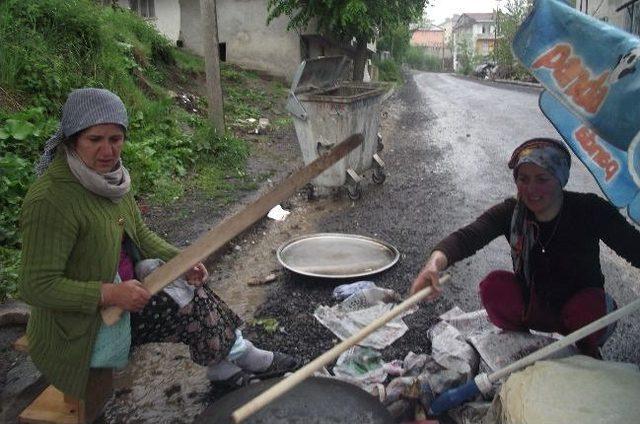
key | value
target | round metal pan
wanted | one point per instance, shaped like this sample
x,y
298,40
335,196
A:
x,y
335,255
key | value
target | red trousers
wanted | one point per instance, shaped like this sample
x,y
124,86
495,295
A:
x,y
502,298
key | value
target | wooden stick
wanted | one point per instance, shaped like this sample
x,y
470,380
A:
x,y
225,231
296,378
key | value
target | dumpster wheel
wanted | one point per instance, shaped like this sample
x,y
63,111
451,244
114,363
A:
x,y
354,188
378,176
354,191
311,192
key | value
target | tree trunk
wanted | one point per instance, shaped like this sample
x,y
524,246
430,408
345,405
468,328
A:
x,y
212,63
360,59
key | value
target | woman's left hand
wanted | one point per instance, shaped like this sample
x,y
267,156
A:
x,y
197,275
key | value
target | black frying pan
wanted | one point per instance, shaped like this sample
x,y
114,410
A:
x,y
316,400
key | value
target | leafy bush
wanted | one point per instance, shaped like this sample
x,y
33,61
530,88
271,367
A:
x,y
395,39
389,71
509,18
418,58
466,56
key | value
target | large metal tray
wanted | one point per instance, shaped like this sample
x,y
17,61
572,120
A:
x,y
335,255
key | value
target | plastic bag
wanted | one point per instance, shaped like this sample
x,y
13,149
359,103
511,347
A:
x,y
112,344
345,290
361,309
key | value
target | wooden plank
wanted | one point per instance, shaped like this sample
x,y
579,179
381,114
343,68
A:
x,y
49,408
99,391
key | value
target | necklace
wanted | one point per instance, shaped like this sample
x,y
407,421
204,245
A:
x,y
553,233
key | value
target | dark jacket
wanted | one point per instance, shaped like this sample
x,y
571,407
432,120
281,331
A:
x,y
571,260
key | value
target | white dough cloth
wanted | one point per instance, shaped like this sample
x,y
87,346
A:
x,y
578,389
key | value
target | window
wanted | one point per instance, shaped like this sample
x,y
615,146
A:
x,y
222,52
144,8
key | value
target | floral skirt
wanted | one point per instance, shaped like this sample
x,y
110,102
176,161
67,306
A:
x,y
206,324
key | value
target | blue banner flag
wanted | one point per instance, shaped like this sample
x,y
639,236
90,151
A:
x,y
591,73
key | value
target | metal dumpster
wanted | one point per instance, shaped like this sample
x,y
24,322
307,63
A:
x,y
327,109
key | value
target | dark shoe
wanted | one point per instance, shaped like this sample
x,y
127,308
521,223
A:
x,y
236,381
281,364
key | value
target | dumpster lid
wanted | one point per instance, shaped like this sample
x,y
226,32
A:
x,y
319,72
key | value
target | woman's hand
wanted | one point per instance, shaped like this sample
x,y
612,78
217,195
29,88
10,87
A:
x,y
129,295
197,275
430,275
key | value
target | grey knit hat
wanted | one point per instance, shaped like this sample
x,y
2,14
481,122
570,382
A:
x,y
84,108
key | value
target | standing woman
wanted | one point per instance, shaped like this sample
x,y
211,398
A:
x,y
557,283
83,236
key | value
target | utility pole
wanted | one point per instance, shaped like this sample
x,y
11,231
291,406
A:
x,y
444,36
212,63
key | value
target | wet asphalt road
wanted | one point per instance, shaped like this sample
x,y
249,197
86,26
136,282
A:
x,y
447,142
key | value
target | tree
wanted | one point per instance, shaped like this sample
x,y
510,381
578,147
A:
x,y
508,19
466,56
212,64
346,20
395,40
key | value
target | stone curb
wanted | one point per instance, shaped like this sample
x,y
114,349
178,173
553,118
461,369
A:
x,y
14,312
23,384
500,81
522,83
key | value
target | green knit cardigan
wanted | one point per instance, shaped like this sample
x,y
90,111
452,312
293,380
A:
x,y
71,242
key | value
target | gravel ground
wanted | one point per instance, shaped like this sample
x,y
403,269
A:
x,y
394,212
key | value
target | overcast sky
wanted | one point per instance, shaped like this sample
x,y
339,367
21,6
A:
x,y
439,10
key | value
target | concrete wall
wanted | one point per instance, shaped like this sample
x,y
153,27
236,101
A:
x,y
242,26
249,41
167,19
607,12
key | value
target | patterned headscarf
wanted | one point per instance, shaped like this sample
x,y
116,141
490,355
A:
x,y
554,157
84,108
547,153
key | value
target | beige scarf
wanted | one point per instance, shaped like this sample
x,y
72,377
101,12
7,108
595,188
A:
x,y
112,185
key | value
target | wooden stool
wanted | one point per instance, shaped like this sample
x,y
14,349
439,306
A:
x,y
54,407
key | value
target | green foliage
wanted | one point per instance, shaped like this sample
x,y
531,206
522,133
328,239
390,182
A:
x,y
395,39
9,269
50,47
418,58
389,71
509,18
270,325
22,136
466,57
349,19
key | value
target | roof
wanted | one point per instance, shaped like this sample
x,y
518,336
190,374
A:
x,y
427,37
473,18
481,17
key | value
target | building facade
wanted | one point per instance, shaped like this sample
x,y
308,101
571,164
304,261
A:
x,y
476,32
624,14
244,36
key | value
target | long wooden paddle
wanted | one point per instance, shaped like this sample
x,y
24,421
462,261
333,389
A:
x,y
229,228
282,387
